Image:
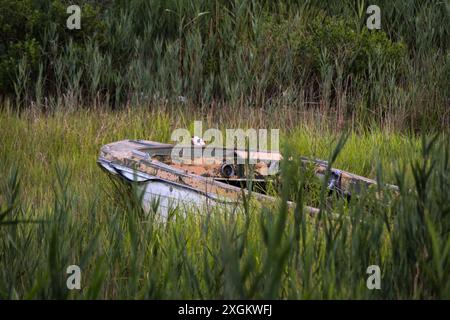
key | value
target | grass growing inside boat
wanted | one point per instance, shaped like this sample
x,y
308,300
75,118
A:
x,y
56,210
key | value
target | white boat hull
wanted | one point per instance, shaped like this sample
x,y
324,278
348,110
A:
x,y
164,197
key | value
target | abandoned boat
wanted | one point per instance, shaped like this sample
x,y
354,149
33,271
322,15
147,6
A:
x,y
212,180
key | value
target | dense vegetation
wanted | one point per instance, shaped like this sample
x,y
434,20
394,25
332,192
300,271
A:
x,y
308,55
138,69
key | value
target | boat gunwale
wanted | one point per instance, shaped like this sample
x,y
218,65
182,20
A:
x,y
149,177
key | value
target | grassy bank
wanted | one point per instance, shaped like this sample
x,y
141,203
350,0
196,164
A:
x,y
58,210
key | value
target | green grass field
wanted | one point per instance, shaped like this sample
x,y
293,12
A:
x,y
138,69
58,208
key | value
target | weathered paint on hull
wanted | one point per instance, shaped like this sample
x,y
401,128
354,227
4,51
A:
x,y
179,186
166,198
137,160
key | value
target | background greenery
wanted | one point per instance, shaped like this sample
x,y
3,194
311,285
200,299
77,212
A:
x,y
308,55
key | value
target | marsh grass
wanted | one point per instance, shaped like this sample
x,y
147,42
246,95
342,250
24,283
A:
x,y
293,58
58,208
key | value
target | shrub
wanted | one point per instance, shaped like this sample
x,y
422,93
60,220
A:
x,y
330,41
29,30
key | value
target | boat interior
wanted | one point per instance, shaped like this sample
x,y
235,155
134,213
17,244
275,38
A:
x,y
232,166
